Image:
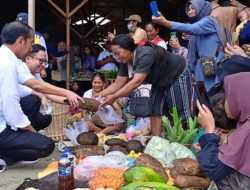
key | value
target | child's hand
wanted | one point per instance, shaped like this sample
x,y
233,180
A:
x,y
197,147
205,118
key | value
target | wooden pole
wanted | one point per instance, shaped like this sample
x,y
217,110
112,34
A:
x,y
68,43
31,13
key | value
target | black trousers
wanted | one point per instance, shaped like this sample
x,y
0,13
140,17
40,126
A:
x,y
23,145
31,106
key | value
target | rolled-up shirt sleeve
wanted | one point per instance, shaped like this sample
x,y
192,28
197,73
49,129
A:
x,y
24,90
10,98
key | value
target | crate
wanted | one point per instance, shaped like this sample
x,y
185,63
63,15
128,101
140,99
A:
x,y
55,130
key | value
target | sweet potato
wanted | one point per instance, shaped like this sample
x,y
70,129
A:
x,y
134,145
150,162
89,105
87,138
97,121
185,181
116,141
87,150
188,166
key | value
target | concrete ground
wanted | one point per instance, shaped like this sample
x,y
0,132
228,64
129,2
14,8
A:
x,y
14,175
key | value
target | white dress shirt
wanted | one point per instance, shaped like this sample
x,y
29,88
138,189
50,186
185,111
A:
x,y
10,109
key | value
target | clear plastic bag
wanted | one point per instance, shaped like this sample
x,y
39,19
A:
x,y
109,116
72,131
86,168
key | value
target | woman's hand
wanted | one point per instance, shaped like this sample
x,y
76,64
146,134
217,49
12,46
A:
x,y
174,43
246,47
234,50
205,118
161,20
109,100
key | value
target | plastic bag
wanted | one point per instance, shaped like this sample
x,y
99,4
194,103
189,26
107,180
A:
x,y
72,131
109,116
86,168
166,152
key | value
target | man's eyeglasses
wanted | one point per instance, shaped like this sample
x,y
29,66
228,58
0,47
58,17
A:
x,y
41,61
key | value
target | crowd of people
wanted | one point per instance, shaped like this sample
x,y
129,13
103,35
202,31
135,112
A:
x,y
143,60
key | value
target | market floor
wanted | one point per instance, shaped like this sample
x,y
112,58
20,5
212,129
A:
x,y
14,175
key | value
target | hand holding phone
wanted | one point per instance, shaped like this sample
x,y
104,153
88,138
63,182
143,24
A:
x,y
154,8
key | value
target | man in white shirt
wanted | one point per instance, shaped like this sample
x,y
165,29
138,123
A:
x,y
106,59
18,139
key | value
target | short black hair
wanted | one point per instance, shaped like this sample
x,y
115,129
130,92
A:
x,y
36,48
124,41
100,75
220,116
154,25
13,30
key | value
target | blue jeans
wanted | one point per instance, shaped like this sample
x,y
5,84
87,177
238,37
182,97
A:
x,y
23,145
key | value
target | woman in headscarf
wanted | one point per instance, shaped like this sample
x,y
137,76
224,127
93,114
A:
x,y
228,164
205,37
75,60
154,65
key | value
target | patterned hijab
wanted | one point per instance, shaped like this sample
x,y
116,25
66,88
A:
x,y
236,153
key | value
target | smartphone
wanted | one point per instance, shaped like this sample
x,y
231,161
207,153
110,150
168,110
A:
x,y
202,94
154,8
173,35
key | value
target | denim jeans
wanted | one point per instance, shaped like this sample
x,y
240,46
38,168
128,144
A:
x,y
23,145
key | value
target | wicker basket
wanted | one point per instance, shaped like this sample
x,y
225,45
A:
x,y
55,130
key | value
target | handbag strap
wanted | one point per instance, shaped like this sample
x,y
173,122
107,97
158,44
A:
x,y
216,52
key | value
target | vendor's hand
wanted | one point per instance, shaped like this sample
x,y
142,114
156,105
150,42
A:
x,y
161,20
74,99
205,118
234,50
29,128
174,43
246,47
109,100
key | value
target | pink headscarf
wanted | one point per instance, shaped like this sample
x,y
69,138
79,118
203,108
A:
x,y
236,154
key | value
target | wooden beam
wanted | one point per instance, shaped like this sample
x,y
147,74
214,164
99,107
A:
x,y
57,8
71,28
31,13
86,35
68,43
77,7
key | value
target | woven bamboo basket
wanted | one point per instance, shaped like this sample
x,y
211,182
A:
x,y
55,130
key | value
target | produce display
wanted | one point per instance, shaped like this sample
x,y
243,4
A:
x,y
97,121
145,185
87,138
141,173
150,162
87,150
176,133
188,173
107,178
134,145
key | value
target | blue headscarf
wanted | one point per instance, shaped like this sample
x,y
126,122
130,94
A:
x,y
244,37
202,9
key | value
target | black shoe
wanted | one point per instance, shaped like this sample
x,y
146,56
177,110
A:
x,y
2,168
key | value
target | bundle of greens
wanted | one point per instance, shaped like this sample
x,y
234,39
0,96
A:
x,y
176,133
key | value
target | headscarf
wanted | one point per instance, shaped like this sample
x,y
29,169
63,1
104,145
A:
x,y
236,153
202,9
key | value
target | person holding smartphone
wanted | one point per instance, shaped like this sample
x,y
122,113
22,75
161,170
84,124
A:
x,y
228,164
177,48
205,37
